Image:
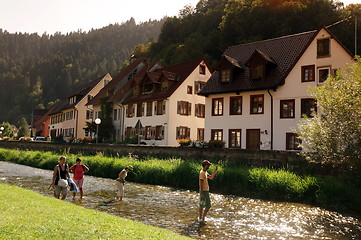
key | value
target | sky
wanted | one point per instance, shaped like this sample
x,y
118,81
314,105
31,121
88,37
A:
x,y
50,16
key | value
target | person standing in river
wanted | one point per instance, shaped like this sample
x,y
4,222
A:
x,y
121,180
79,169
205,200
60,171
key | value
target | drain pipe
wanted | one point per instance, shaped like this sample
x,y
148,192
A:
x,y
271,118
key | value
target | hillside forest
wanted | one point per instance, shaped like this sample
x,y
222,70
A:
x,y
36,71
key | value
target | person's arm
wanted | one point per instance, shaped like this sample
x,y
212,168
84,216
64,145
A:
x,y
67,171
54,177
71,169
120,178
86,169
214,173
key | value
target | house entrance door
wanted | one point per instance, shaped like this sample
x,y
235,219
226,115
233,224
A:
x,y
253,138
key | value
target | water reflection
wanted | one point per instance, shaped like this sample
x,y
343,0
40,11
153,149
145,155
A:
x,y
230,217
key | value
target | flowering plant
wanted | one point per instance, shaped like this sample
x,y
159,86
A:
x,y
184,142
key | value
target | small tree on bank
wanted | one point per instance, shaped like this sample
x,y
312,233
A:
x,y
334,135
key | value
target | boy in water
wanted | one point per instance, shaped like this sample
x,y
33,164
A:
x,y
205,201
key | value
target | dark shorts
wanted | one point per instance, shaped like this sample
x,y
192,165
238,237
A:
x,y
205,202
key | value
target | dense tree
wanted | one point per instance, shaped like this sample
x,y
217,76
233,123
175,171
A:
x,y
334,135
23,128
36,70
7,131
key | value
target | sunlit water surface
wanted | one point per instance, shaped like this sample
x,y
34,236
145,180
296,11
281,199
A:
x,y
229,218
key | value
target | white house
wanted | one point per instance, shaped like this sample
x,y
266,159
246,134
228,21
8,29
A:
x,y
163,104
258,93
70,117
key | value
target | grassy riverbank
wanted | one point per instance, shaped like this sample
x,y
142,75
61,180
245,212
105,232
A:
x,y
28,215
264,183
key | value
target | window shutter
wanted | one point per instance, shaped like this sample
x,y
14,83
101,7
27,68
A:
x,y
177,133
196,110
178,107
189,109
188,132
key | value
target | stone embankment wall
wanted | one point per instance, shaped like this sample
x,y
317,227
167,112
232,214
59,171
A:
x,y
248,157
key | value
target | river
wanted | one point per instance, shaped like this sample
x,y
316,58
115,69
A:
x,y
229,218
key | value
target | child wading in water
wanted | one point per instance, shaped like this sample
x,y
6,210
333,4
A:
x,y
79,169
121,180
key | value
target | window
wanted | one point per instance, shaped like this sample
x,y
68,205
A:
x,y
200,134
292,141
258,72
184,108
148,87
159,132
160,107
217,134
287,108
164,85
235,106
189,89
217,106
257,104
200,110
140,109
202,69
323,47
115,114
225,75
148,132
136,91
308,107
183,132
323,74
198,85
130,110
149,108
234,138
308,73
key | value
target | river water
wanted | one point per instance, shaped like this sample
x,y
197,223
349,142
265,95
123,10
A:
x,y
174,209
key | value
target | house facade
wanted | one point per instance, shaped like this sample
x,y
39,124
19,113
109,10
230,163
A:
x,y
116,88
163,105
70,117
259,92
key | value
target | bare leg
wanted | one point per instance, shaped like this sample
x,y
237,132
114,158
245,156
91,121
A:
x,y
81,192
205,213
200,213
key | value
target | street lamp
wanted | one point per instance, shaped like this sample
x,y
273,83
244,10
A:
x,y
97,122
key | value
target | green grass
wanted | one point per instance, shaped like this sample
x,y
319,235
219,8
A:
x,y
263,183
28,215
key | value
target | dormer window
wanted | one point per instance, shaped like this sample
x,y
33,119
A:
x,y
148,87
323,47
258,71
225,75
136,91
164,85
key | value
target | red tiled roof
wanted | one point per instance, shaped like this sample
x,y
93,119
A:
x,y
282,52
177,73
111,86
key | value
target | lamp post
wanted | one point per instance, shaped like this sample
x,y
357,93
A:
x,y
97,122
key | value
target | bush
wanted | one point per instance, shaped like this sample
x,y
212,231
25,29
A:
x,y
216,144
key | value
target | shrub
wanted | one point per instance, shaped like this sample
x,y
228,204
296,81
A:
x,y
216,144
